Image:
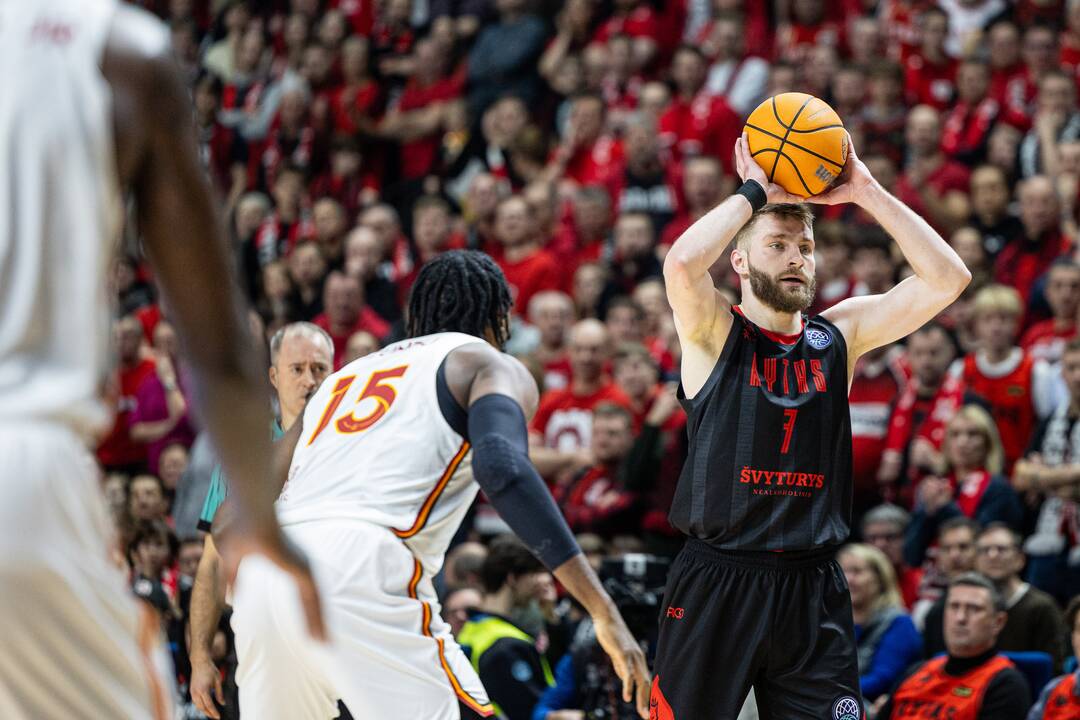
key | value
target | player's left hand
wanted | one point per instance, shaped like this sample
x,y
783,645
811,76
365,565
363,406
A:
x,y
628,659
850,186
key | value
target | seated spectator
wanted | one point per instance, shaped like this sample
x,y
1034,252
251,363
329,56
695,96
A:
x,y
363,259
645,184
634,258
872,264
884,528
884,118
457,606
346,313
637,20
807,27
331,223
590,282
307,270
1056,121
930,75
353,104
877,381
954,555
735,75
119,450
966,126
290,223
1034,619
561,431
696,122
146,498
588,154
596,499
1029,254
463,566
1046,340
990,213
886,638
528,267
151,551
702,189
1015,388
932,185
1052,467
552,312
512,668
970,483
160,415
359,345
1060,699
172,463
973,680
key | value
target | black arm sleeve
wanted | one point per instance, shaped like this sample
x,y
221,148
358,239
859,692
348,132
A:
x,y
500,464
1006,697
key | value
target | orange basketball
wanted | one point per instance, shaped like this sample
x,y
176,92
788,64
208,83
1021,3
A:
x,y
799,141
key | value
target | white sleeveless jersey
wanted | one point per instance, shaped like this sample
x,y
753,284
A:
x,y
376,447
60,210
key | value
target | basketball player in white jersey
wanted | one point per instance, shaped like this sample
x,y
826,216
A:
x,y
92,105
381,468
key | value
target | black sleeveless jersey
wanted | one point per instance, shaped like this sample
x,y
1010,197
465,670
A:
x,y
769,463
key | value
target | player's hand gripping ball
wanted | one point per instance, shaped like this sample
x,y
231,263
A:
x,y
799,141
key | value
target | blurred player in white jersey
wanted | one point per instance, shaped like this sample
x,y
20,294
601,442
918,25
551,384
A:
x,y
381,469
92,106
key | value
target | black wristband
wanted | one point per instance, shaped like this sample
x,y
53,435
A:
x,y
754,193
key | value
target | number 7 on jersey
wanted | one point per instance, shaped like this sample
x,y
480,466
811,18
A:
x,y
789,427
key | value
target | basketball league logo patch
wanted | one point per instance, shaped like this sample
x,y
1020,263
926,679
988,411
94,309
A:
x,y
819,339
846,708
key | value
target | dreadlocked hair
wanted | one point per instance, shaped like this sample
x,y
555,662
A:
x,y
460,291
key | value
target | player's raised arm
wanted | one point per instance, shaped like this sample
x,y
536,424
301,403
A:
x,y
498,392
940,275
158,158
701,316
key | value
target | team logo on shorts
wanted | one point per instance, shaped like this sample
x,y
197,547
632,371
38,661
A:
x,y
819,339
845,708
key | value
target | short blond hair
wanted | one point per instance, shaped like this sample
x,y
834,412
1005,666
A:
x,y
785,211
998,298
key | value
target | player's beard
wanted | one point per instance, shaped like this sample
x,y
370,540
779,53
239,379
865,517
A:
x,y
779,297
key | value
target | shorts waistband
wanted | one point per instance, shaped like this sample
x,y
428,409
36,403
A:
x,y
787,560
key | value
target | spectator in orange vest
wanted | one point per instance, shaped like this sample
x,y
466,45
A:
x,y
1060,699
973,680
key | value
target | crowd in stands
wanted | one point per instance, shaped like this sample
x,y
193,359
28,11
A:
x,y
350,141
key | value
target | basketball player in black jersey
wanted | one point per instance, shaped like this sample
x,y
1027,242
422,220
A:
x,y
755,598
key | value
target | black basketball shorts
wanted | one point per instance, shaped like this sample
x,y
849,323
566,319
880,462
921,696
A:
x,y
780,622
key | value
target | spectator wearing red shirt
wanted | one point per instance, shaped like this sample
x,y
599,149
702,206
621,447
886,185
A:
x,y
885,116
359,13
392,40
1028,255
354,104
422,114
1001,373
1007,71
931,184
222,149
289,224
291,139
432,236
348,180
551,313
586,225
697,123
808,28
702,189
561,431
346,313
636,19
595,499
118,451
875,385
587,155
1046,340
528,267
930,74
848,92
966,129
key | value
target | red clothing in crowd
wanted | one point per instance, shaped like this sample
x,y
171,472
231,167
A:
x,y
348,104
564,420
368,321
1009,396
539,271
949,176
927,83
966,128
909,580
359,13
596,164
418,156
874,389
118,449
1046,341
704,126
593,501
640,22
275,238
1013,90
1020,263
557,373
794,42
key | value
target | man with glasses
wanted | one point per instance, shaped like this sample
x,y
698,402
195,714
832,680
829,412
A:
x,y
973,680
1034,619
